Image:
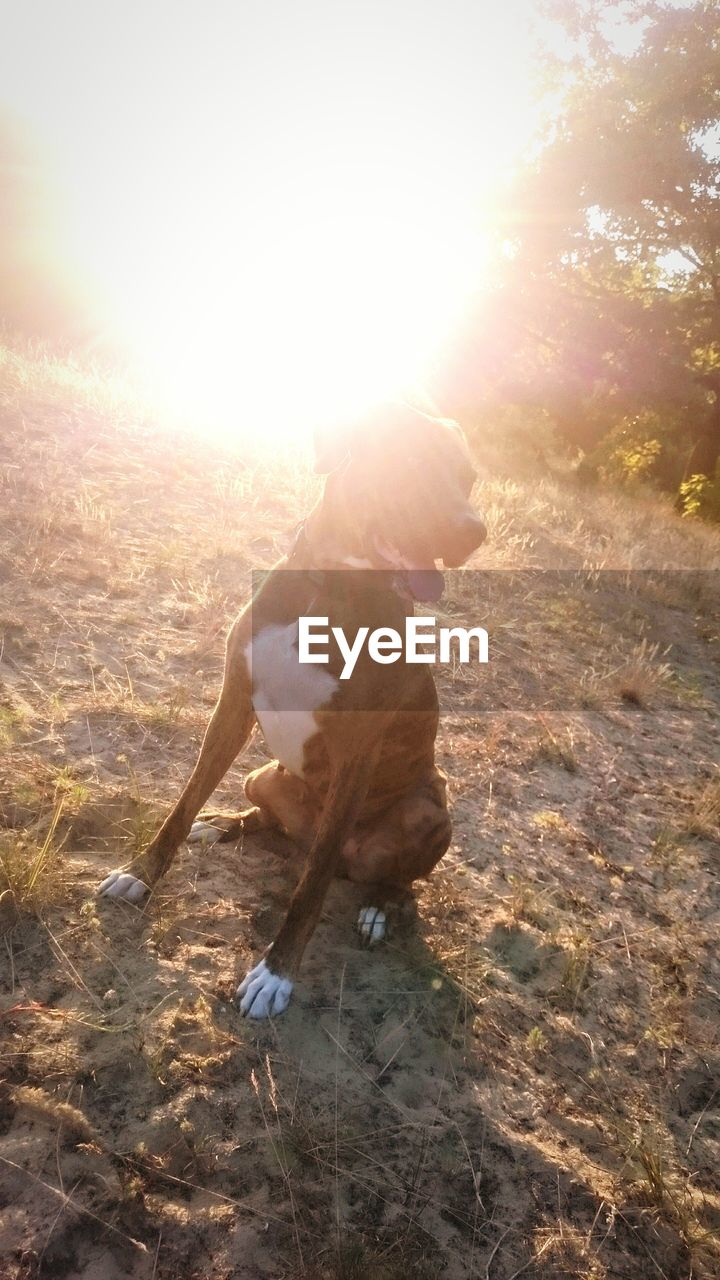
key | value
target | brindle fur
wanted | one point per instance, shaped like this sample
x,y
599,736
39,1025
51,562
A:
x,y
371,804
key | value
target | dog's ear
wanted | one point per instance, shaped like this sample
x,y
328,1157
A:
x,y
332,446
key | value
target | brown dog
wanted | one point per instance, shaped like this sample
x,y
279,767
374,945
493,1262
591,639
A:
x,y
355,782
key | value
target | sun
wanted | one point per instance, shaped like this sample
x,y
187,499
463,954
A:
x,y
280,206
303,323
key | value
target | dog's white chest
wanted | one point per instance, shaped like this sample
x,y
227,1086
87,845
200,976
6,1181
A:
x,y
286,692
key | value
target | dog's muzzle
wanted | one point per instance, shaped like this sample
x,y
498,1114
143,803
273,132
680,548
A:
x,y
464,538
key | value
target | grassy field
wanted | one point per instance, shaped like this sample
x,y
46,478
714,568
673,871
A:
x,y
526,1079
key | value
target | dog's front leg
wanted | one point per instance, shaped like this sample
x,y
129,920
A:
x,y
229,729
267,988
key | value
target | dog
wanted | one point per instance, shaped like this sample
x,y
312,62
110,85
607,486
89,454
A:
x,y
355,783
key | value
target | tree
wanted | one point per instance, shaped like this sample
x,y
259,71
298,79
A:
x,y
610,297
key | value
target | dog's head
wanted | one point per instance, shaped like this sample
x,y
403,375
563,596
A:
x,y
400,481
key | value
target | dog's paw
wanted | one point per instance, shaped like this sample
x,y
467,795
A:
x,y
120,884
371,925
204,834
262,994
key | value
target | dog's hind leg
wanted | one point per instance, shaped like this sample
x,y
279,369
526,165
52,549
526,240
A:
x,y
227,828
404,844
229,729
280,801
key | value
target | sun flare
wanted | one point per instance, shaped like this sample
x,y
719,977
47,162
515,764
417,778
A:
x,y
309,324
278,211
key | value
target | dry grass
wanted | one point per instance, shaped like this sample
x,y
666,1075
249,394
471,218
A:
x,y
640,678
523,1082
59,1114
704,817
31,869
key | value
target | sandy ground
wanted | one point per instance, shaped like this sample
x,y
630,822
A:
x,y
526,1078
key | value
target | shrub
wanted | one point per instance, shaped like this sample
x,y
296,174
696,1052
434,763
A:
x,y
700,496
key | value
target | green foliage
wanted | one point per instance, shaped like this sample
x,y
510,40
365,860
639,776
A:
x,y
607,311
638,460
511,436
700,496
642,447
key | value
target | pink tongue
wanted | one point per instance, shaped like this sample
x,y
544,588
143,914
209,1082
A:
x,y
426,584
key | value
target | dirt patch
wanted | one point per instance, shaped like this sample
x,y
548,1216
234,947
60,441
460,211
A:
x,y
524,1080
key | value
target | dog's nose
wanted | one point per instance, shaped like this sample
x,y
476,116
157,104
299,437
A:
x,y
468,534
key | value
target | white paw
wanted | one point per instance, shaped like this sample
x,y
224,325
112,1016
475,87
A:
x,y
371,925
120,884
203,833
263,993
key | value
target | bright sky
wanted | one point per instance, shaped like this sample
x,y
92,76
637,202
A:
x,y
282,200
